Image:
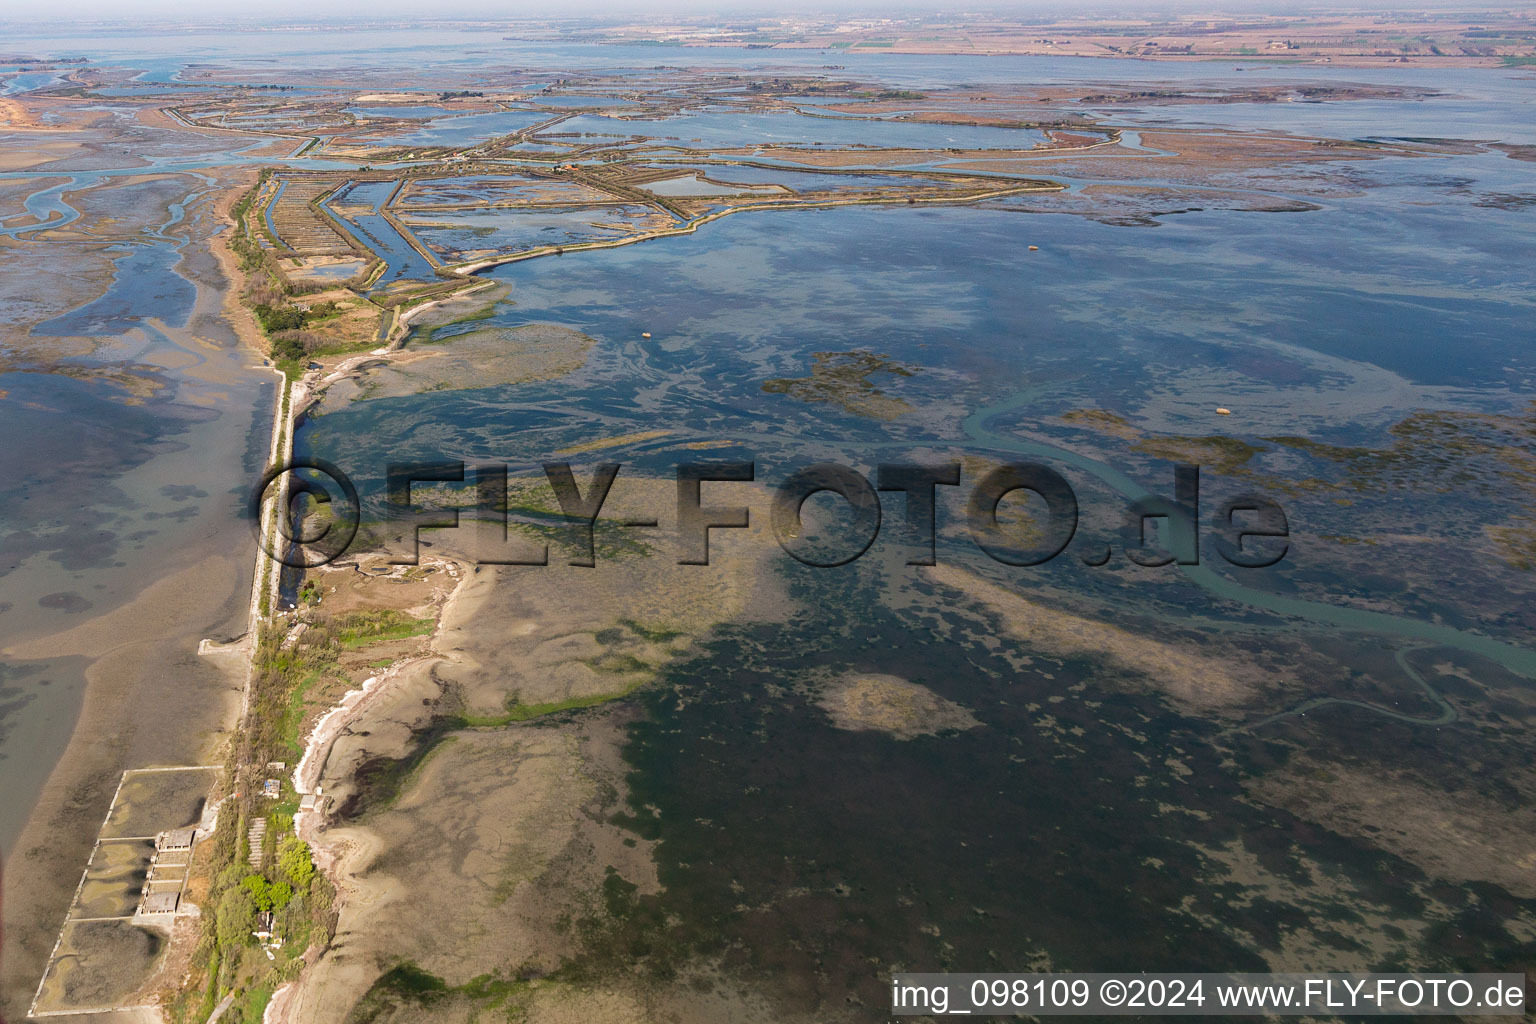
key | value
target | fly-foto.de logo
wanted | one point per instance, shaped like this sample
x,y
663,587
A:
x,y
1247,531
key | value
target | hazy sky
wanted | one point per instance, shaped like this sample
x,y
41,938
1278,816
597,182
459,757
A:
x,y
243,11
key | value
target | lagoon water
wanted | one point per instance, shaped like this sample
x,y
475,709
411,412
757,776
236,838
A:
x,y
1334,323
462,129
1336,320
719,130
105,492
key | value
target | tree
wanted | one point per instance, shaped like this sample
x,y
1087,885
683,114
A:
x,y
260,890
236,917
265,895
294,861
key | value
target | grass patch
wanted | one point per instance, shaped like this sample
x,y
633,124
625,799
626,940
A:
x,y
293,717
358,629
255,1003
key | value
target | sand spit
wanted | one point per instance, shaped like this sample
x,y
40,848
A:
x,y
882,703
1198,683
392,354
488,357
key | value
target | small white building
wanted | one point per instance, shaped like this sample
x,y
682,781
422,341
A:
x,y
161,902
176,839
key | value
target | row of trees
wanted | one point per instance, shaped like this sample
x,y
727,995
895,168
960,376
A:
x,y
285,882
257,893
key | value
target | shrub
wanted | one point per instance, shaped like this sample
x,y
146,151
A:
x,y
297,344
260,291
278,318
286,347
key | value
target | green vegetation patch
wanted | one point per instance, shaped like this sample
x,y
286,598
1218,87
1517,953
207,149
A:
x,y
1438,452
358,629
1224,455
400,994
1228,456
518,712
843,379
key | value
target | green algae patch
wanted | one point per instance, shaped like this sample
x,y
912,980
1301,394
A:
x,y
843,379
629,653
1434,451
1515,542
1438,451
518,712
429,335
401,985
1225,455
1102,420
1429,452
